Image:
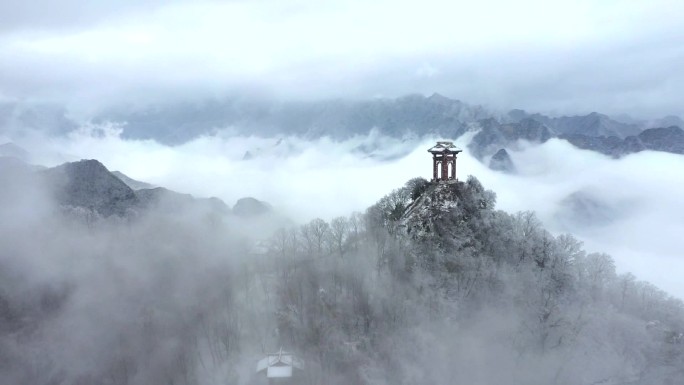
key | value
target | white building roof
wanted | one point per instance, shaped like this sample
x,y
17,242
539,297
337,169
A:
x,y
279,364
444,146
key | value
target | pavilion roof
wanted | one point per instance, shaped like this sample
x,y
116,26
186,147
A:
x,y
444,146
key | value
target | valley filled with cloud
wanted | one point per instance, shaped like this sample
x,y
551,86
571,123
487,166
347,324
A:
x,y
239,192
625,207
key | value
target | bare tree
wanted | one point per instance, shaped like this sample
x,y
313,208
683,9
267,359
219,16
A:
x,y
339,233
314,235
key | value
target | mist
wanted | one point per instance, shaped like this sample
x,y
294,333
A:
x,y
636,196
89,301
564,271
172,295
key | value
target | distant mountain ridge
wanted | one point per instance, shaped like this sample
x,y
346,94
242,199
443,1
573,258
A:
x,y
666,139
593,124
338,119
407,116
494,136
88,188
411,115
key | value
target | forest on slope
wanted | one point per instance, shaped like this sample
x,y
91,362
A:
x,y
431,284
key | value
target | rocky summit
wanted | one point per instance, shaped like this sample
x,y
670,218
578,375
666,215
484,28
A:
x,y
501,161
89,185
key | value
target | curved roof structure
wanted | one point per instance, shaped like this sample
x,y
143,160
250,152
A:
x,y
444,146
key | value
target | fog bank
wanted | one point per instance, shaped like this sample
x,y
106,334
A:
x,y
630,209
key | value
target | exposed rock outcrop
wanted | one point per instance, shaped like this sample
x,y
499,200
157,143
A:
x,y
501,161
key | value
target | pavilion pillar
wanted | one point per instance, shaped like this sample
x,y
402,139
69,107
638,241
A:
x,y
434,167
445,168
453,168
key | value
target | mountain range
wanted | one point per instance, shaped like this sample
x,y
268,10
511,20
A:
x,y
88,188
403,117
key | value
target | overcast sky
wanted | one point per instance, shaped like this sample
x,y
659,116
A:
x,y
614,56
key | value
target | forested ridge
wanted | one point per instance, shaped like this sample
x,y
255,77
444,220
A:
x,y
433,285
430,285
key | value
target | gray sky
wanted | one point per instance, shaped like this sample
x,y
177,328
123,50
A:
x,y
614,56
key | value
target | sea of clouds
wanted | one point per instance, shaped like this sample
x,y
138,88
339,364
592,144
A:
x,y
637,198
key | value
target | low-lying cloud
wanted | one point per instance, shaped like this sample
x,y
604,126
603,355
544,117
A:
x,y
637,197
640,194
